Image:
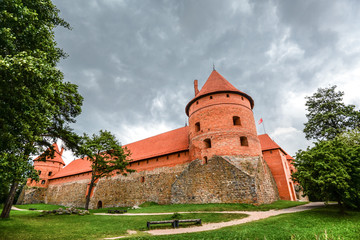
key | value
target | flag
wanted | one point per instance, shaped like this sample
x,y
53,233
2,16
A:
x,y
260,121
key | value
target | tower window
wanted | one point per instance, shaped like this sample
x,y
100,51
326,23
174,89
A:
x,y
205,160
197,126
178,154
236,120
242,98
207,143
210,97
39,172
244,141
227,95
197,102
50,173
43,182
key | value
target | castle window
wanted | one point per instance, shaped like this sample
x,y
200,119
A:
x,y
157,159
147,161
49,173
244,141
138,163
142,179
227,95
236,121
207,143
210,97
39,172
129,164
205,160
197,126
242,98
43,182
197,102
178,154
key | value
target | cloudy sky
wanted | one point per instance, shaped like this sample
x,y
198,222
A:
x,y
135,61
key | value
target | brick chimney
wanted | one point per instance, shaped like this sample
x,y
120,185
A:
x,y
196,87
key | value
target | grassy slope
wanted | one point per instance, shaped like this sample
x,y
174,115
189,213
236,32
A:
x,y
28,225
314,224
209,207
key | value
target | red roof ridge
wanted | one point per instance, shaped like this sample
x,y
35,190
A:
x,y
217,83
168,142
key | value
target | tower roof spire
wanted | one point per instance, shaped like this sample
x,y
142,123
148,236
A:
x,y
216,83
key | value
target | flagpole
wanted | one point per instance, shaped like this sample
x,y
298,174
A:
x,y
264,126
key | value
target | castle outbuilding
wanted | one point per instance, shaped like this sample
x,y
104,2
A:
x,y
218,158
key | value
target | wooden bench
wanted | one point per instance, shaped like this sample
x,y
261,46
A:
x,y
174,223
116,211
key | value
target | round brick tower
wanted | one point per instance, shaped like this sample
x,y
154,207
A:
x,y
47,168
221,121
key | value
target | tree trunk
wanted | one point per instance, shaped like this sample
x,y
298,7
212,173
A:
x,y
9,201
88,194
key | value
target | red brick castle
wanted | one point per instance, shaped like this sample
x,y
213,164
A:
x,y
217,158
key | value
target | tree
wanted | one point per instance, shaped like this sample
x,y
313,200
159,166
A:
x,y
328,116
107,157
331,169
36,106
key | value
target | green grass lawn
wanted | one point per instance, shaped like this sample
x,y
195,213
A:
x,y
40,206
320,224
155,208
28,225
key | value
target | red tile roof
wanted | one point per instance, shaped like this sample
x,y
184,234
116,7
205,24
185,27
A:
x,y
267,143
165,143
162,144
57,155
75,167
217,83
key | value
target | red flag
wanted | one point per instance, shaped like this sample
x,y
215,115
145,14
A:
x,y
260,121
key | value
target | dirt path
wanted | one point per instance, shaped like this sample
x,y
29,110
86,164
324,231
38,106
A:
x,y
253,216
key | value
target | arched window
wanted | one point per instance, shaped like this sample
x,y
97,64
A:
x,y
50,173
197,126
210,97
43,182
236,121
244,141
227,95
207,143
39,172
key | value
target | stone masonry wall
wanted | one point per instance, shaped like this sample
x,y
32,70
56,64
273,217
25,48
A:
x,y
225,180
71,194
31,195
221,180
137,188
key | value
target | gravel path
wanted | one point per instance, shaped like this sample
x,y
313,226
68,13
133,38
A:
x,y
252,216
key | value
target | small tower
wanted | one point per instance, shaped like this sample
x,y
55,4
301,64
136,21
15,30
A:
x,y
47,168
221,121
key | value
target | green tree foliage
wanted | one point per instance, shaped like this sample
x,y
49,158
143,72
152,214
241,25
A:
x,y
328,116
106,155
331,169
36,105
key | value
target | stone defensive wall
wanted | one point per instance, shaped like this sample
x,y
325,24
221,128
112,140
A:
x,y
220,179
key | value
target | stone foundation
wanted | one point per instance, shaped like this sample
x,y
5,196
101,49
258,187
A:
x,y
220,180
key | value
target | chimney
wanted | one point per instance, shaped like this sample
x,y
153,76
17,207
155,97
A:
x,y
196,87
62,150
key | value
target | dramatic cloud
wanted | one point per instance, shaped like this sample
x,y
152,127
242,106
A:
x,y
135,61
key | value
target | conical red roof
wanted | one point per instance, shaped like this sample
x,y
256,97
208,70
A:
x,y
214,84
57,155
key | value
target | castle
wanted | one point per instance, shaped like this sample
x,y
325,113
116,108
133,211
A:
x,y
218,158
